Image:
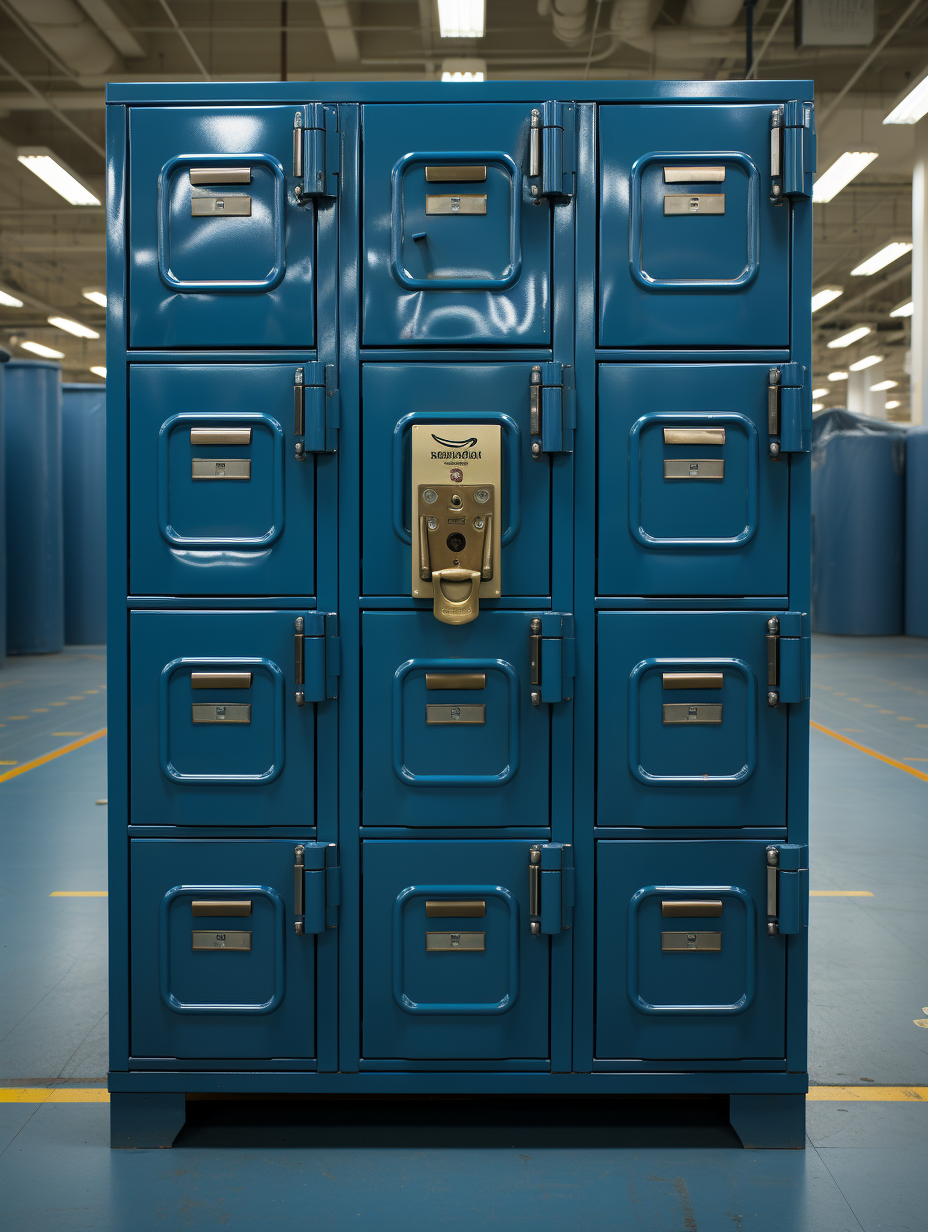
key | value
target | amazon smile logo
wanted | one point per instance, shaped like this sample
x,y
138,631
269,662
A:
x,y
455,451
472,440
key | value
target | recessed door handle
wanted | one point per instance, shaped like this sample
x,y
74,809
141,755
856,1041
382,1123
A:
x,y
220,175
693,680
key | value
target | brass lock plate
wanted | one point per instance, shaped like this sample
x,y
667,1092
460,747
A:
x,y
455,485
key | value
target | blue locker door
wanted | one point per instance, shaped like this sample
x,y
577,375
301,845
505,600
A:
x,y
472,985
217,968
454,249
394,397
690,501
713,271
685,969
220,253
247,526
216,738
685,735
452,755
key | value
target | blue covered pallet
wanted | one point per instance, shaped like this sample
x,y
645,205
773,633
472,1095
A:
x,y
458,512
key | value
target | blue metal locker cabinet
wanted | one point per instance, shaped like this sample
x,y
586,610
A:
x,y
458,592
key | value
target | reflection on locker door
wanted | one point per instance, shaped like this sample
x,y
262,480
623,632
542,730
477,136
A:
x,y
690,500
218,970
451,968
221,248
217,737
219,503
686,734
455,248
439,396
692,250
685,967
450,735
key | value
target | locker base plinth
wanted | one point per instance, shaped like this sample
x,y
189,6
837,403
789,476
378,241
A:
x,y
769,1122
140,1120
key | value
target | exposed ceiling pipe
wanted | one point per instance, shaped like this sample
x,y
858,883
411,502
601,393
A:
x,y
632,22
568,21
69,33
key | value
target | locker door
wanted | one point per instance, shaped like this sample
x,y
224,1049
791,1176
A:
x,y
686,737
218,502
221,253
685,969
450,735
218,970
216,738
455,250
690,501
394,398
692,250
450,967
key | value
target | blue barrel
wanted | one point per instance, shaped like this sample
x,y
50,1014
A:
x,y
83,437
858,528
4,358
916,533
35,528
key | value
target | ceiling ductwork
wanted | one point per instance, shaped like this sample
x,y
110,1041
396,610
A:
x,y
706,34
68,32
568,20
713,14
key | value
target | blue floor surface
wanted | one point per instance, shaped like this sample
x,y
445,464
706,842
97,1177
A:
x,y
454,1166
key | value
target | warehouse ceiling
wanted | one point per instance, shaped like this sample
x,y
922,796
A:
x,y
56,55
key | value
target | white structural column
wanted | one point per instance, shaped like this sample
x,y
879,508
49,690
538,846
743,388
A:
x,y
919,370
859,397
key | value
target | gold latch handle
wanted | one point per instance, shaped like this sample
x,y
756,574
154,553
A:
x,y
456,611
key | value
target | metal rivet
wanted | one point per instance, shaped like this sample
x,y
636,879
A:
x,y
773,699
536,449
774,449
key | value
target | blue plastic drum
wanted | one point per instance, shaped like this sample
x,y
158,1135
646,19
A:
x,y
916,533
35,530
83,434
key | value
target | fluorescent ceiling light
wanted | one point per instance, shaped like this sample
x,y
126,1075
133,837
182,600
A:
x,y
837,376
881,385
820,393
462,18
826,295
881,258
38,349
853,335
99,372
10,300
840,174
867,362
446,76
891,406
913,105
73,327
95,295
818,406
48,167
905,309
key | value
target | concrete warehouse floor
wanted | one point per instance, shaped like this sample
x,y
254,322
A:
x,y
454,1164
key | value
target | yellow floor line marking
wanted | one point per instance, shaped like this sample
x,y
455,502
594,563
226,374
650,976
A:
x,y
902,718
890,761
8,763
841,894
861,1094
68,748
17,716
58,703
91,690
78,894
53,1095
79,698
81,734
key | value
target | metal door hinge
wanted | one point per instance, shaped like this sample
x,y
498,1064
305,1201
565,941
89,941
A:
x,y
316,888
317,657
552,658
789,410
315,151
552,409
552,157
550,888
792,151
787,888
316,414
789,658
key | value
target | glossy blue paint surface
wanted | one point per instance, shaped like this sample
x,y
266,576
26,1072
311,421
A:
x,y
654,774
466,279
447,1005
212,280
4,358
83,437
689,536
218,537
678,280
654,1003
254,1003
34,514
186,773
916,533
396,396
